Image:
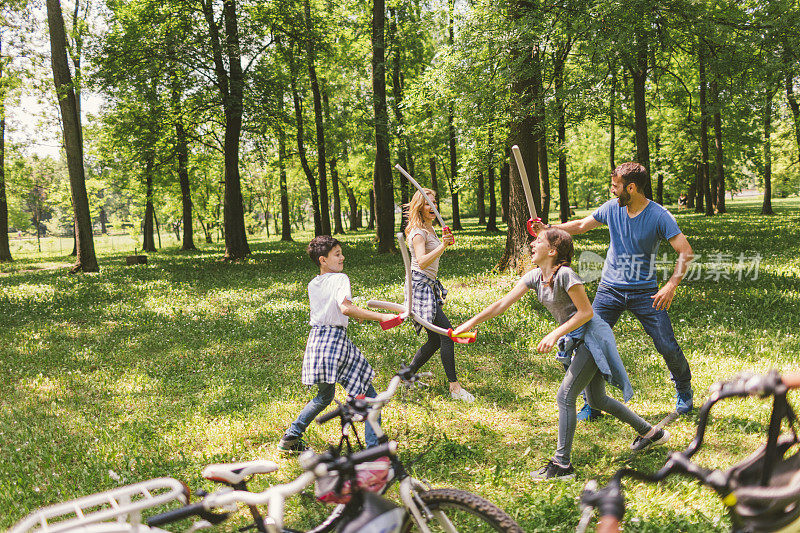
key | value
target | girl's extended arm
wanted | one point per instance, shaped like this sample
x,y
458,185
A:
x,y
497,308
353,311
583,314
424,260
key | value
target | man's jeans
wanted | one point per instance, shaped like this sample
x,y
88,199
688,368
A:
x,y
324,397
610,302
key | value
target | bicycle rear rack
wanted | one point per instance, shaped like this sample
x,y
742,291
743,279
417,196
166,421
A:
x,y
121,505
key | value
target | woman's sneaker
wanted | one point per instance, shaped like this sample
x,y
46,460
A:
x,y
462,394
553,470
642,443
291,445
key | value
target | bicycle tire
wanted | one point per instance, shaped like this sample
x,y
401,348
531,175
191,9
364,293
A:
x,y
466,511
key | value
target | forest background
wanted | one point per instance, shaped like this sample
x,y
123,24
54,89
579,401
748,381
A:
x,y
203,130
225,120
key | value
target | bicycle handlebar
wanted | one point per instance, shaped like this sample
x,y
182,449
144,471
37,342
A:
x,y
609,501
340,410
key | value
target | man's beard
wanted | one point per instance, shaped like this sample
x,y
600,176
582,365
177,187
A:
x,y
624,198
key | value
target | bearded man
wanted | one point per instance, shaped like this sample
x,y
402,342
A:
x,y
629,281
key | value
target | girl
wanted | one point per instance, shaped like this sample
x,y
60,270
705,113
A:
x,y
586,346
428,292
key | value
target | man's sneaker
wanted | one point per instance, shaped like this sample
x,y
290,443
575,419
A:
x,y
553,471
291,445
684,404
642,443
588,413
462,394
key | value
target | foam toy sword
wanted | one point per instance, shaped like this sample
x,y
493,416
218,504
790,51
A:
x,y
431,203
405,311
523,176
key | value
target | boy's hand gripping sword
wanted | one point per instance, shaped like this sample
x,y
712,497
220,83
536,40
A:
x,y
523,176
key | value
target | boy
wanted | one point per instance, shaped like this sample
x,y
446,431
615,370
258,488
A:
x,y
330,356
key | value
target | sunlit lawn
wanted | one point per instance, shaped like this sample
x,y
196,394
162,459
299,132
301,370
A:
x,y
157,370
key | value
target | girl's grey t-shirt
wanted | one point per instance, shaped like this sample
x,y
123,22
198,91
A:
x,y
554,296
431,242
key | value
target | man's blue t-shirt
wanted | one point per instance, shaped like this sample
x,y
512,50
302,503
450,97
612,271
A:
x,y
630,261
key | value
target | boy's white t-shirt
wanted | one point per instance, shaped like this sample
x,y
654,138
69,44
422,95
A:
x,y
325,293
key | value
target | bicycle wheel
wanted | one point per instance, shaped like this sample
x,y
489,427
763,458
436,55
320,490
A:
x,y
457,510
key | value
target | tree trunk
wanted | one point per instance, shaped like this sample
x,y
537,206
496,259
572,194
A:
x,y
563,185
699,187
719,160
206,230
792,99
230,82
158,229
766,207
148,242
491,224
86,259
397,107
371,221
353,204
5,247
540,133
384,196
523,91
480,194
337,202
612,112
701,63
301,148
103,221
434,180
286,221
451,133
505,172
321,159
452,178
639,74
182,149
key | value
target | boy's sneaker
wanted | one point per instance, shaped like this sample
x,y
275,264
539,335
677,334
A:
x,y
292,445
641,443
588,414
553,470
684,403
462,394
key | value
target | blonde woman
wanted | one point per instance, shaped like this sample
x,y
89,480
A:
x,y
428,292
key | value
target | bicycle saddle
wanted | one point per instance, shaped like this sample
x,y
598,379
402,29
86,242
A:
x,y
774,506
233,473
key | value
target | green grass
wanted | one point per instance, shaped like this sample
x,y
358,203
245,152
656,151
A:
x,y
160,369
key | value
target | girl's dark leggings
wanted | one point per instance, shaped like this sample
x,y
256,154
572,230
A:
x,y
434,342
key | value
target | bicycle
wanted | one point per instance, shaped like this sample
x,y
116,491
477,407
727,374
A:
x,y
425,505
428,510
760,493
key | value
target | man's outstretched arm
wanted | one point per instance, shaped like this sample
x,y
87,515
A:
x,y
573,227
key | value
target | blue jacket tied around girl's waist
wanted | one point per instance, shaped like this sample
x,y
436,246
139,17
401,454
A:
x,y
598,338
